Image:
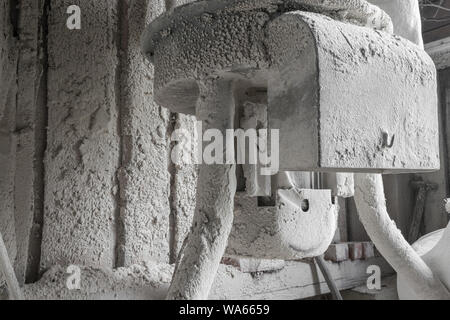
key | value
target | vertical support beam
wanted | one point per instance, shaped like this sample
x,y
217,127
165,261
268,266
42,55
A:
x,y
405,15
31,123
144,179
83,141
8,92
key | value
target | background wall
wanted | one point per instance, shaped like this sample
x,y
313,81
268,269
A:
x,y
8,89
86,176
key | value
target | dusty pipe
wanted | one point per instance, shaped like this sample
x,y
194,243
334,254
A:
x,y
371,204
200,257
15,293
335,293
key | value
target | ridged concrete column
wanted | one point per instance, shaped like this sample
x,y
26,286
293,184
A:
x,y
8,92
143,226
31,124
83,141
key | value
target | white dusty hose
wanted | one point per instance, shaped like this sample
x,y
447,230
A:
x,y
371,204
8,272
205,245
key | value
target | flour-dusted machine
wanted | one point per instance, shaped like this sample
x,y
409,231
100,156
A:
x,y
344,93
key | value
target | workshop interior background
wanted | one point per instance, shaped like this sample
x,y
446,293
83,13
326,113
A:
x,y
86,177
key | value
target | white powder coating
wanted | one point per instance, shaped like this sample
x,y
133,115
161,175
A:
x,y
348,67
405,15
200,256
138,168
191,45
332,137
355,11
371,203
192,41
93,149
83,144
151,281
251,265
416,276
433,248
144,177
205,46
345,185
300,225
147,281
84,195
341,184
